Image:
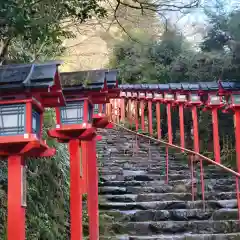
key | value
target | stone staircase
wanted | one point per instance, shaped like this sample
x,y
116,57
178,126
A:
x,y
140,205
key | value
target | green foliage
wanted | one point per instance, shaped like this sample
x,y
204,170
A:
x,y
41,25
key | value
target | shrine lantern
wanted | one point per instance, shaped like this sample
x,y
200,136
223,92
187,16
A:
x,y
191,90
25,90
208,92
158,93
76,125
212,101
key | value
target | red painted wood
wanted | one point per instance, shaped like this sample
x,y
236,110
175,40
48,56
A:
x,y
169,119
122,109
85,111
16,213
195,128
28,117
181,123
75,191
84,163
216,135
92,191
142,115
237,137
136,114
150,129
158,116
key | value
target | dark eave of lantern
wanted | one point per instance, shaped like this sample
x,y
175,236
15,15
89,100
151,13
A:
x,y
18,77
175,86
111,78
208,86
94,80
230,85
163,87
192,86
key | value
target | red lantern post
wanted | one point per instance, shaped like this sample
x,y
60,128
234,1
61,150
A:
x,y
142,97
213,102
149,97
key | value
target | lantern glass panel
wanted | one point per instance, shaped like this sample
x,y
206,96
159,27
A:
x,y
181,97
158,95
214,99
12,119
95,109
236,99
72,113
35,122
194,98
169,96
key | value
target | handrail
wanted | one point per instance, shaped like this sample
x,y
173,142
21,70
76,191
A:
x,y
183,149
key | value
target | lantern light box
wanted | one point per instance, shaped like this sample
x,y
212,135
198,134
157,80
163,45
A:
x,y
181,98
158,96
13,120
214,100
194,98
235,99
134,94
129,94
24,92
74,112
168,97
141,95
149,95
123,94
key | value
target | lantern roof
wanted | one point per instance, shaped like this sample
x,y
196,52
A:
x,y
91,79
208,86
230,85
153,86
163,87
190,86
35,75
175,86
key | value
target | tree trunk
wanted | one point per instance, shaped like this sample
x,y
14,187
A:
x,y
4,50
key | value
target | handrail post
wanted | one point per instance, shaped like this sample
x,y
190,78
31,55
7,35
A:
x,y
216,135
181,125
150,129
142,115
158,116
122,109
136,114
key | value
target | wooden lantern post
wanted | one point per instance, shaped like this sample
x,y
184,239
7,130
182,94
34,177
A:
x,y
212,102
24,93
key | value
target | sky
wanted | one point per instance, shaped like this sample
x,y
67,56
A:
x,y
194,24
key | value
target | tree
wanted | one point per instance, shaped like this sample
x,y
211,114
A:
x,y
41,22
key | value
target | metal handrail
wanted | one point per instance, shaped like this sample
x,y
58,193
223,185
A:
x,y
182,149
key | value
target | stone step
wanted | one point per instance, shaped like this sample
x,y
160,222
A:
x,y
118,171
141,176
174,215
162,188
186,236
169,196
167,205
210,183
176,227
